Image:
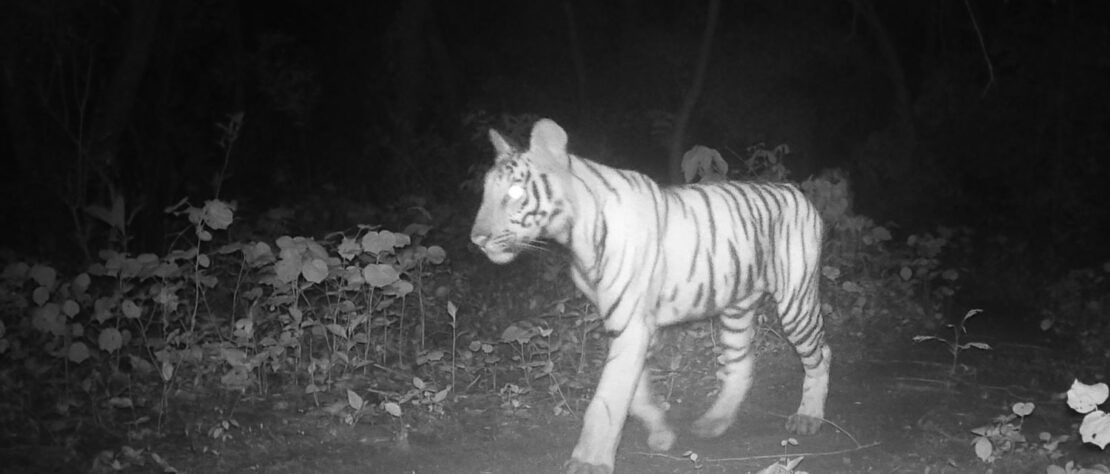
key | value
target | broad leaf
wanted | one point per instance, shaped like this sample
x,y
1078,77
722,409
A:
x,y
109,340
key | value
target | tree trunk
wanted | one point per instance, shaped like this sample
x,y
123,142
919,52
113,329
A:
x,y
407,37
115,106
578,60
691,99
903,106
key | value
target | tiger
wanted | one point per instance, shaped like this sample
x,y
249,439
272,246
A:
x,y
649,256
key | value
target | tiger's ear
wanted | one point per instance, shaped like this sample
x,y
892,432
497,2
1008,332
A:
x,y
500,144
550,137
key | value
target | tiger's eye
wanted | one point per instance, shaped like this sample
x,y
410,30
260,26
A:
x,y
516,191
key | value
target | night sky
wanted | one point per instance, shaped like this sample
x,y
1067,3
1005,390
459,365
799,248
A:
x,y
991,114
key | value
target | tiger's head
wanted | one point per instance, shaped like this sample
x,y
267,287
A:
x,y
522,200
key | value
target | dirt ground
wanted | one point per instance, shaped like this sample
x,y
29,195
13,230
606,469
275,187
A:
x,y
897,411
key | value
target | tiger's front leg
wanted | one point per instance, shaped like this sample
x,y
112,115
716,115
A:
x,y
601,430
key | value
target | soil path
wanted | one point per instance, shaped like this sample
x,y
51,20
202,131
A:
x,y
896,412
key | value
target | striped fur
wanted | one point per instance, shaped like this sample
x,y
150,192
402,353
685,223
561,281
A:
x,y
649,257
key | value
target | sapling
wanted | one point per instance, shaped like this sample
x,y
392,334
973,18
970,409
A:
x,y
954,344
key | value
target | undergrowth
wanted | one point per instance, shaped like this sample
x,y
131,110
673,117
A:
x,y
374,325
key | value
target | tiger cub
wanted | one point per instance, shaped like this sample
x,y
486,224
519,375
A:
x,y
651,256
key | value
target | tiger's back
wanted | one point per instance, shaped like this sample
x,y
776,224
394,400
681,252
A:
x,y
650,256
724,241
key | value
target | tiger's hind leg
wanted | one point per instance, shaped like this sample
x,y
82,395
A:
x,y
737,332
803,325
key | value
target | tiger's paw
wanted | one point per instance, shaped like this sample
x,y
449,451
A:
x,y
661,440
803,424
575,466
709,427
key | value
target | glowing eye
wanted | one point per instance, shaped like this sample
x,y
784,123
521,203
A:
x,y
516,191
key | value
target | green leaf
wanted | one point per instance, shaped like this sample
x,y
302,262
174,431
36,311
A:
x,y
41,295
436,254
109,340
354,400
15,271
880,233
167,371
377,243
314,248
399,288
349,249
342,356
218,214
209,281
120,402
49,318
383,242
401,240
518,334
234,357
288,269
114,217
102,309
336,330
380,275
315,270
983,448
258,254
130,309
1023,408
81,283
1085,398
851,287
417,229
78,352
285,242
392,408
970,314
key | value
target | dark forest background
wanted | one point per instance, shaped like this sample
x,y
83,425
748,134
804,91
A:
x,y
984,113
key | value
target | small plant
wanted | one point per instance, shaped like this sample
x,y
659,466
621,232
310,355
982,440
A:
x,y
1094,429
1072,468
784,466
1085,399
954,344
763,163
1002,435
452,311
703,164
528,338
922,267
1074,305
